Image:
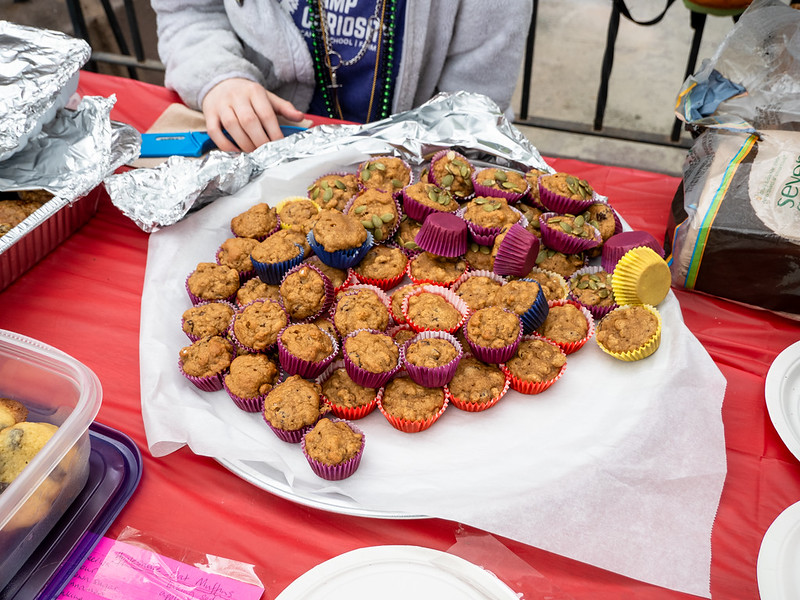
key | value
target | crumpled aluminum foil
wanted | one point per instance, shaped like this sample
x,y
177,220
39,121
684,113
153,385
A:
x,y
160,196
36,66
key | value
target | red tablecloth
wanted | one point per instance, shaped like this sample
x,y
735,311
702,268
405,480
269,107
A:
x,y
84,298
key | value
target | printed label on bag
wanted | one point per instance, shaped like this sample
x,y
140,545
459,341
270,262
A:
x,y
775,183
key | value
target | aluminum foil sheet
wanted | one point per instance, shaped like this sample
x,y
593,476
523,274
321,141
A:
x,y
36,68
161,196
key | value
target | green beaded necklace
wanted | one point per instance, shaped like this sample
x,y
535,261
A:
x,y
325,71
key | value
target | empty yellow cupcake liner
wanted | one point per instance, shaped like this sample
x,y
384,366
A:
x,y
641,277
646,349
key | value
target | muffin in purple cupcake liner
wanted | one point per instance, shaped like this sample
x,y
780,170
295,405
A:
x,y
294,365
555,202
366,180
516,252
242,345
457,176
328,293
362,376
418,211
598,311
481,179
443,234
198,300
485,236
618,245
324,194
245,274
211,383
493,355
291,436
254,404
383,235
341,259
272,273
261,238
224,332
559,240
432,376
339,471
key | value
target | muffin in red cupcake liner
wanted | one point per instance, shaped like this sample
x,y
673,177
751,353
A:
x,y
464,173
418,281
562,204
407,426
382,296
294,365
598,312
482,189
272,273
198,300
493,355
560,241
517,252
443,234
339,471
368,165
485,236
344,412
241,346
467,406
212,383
384,284
445,293
341,259
396,329
362,376
432,376
618,245
329,293
570,347
533,318
524,386
416,210
224,333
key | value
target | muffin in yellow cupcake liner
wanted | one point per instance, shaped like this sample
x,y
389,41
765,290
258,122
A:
x,y
641,277
284,224
644,350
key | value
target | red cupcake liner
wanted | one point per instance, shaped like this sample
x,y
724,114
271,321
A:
x,y
468,406
351,290
294,365
212,383
407,426
432,376
444,284
493,355
384,284
194,338
342,470
362,376
486,190
445,293
241,345
555,239
438,182
477,273
517,252
329,292
523,386
598,312
570,347
344,412
443,234
562,204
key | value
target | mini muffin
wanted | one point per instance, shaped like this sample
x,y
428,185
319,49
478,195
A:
x,y
370,357
476,385
377,211
568,324
251,377
501,183
452,171
11,412
487,216
210,281
255,327
306,350
207,319
361,308
630,333
410,407
235,253
436,270
339,240
298,213
602,217
293,407
553,285
524,298
565,193
306,293
433,308
257,222
479,257
334,190
558,262
536,365
340,278
431,358
567,233
532,176
387,173
333,448
406,234
591,287
206,361
382,266
478,288
346,398
397,297
296,237
273,257
327,325
255,289
493,334
422,199
19,444
531,214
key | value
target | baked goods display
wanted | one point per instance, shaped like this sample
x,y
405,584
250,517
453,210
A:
x,y
407,294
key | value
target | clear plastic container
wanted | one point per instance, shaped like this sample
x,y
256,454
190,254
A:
x,y
56,389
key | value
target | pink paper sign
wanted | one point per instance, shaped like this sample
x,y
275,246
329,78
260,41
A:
x,y
119,571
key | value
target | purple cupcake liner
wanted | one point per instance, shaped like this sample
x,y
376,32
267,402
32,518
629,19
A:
x,y
261,238
432,376
517,252
212,383
291,436
598,312
486,190
620,243
562,242
195,300
194,338
393,191
533,318
243,275
416,210
252,405
436,181
561,204
272,273
485,236
342,470
341,259
443,234
329,292
319,200
306,369
493,355
241,345
366,378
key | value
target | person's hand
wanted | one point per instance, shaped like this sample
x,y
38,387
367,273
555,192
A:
x,y
247,112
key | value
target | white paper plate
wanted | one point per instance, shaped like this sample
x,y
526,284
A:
x,y
779,557
782,392
397,573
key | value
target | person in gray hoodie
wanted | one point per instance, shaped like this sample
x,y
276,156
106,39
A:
x,y
246,62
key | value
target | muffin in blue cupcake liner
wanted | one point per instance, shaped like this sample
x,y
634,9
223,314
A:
x,y
341,259
459,169
479,179
339,471
493,355
533,318
328,293
432,376
294,365
558,203
557,239
362,376
272,273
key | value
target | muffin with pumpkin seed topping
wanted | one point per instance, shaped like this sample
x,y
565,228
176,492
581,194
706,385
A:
x,y
377,211
334,190
387,173
453,172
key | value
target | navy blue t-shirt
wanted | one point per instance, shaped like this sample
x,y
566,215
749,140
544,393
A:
x,y
347,28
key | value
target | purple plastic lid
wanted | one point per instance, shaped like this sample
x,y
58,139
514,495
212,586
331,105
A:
x,y
115,468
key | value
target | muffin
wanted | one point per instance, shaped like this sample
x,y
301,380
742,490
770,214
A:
x,y
602,217
251,378
433,308
406,234
479,258
306,293
257,222
398,295
210,281
476,385
298,213
207,319
431,358
536,365
361,308
346,398
422,199
334,190
235,253
333,448
273,257
487,216
591,287
410,407
565,193
11,412
630,333
568,324
255,327
558,262
370,357
452,171
436,270
206,361
386,173
339,240
382,266
532,177
478,288
524,298
255,289
340,278
401,333
19,444
501,183
293,407
493,334
567,233
553,285
531,214
377,211
306,350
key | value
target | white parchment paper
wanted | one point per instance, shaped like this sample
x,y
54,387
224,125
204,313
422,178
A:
x,y
619,465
